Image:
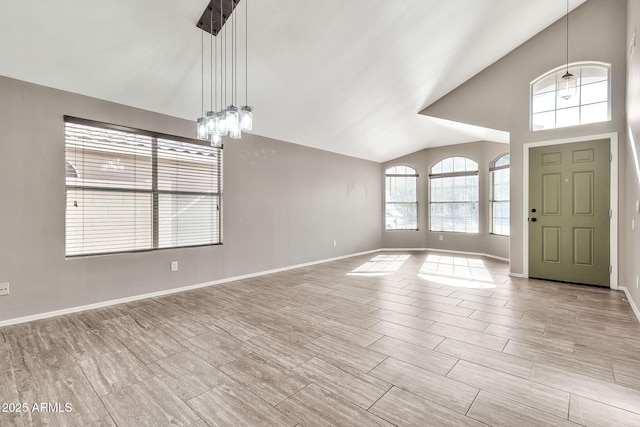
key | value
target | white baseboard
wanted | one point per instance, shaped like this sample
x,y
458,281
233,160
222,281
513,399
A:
x,y
448,251
634,307
402,249
518,275
80,308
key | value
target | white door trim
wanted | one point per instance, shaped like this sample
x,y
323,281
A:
x,y
613,222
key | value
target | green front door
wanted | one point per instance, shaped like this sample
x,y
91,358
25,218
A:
x,y
569,212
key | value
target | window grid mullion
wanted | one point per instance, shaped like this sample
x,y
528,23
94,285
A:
x,y
154,186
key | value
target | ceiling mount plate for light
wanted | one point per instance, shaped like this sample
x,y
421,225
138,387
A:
x,y
214,7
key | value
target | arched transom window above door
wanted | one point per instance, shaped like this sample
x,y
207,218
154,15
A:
x,y
553,107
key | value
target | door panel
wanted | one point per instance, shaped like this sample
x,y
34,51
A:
x,y
583,193
569,212
583,246
553,158
551,193
583,156
551,244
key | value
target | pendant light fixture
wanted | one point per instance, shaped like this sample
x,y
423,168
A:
x,y
229,121
567,84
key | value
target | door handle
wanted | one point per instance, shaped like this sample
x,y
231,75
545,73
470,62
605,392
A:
x,y
533,220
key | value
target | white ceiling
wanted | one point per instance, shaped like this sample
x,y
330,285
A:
x,y
348,76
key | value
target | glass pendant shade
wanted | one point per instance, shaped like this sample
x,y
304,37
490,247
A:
x,y
201,128
211,122
246,118
233,119
221,123
216,140
567,86
235,134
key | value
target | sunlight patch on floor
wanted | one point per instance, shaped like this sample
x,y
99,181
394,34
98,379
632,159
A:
x,y
456,271
380,265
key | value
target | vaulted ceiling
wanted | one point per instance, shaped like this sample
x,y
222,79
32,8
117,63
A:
x,y
344,76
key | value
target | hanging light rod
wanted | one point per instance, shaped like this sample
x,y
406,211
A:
x,y
567,84
213,8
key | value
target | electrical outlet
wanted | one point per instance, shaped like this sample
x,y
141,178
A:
x,y
174,265
441,237
335,243
4,288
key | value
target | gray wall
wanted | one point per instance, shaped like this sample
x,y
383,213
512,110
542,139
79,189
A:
x,y
630,253
498,97
284,205
482,152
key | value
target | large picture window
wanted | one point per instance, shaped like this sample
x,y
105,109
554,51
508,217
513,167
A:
x,y
499,198
454,195
552,108
401,197
130,190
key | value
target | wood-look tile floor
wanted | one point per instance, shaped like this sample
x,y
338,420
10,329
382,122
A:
x,y
406,339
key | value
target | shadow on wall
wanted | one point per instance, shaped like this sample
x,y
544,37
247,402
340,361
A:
x,y
251,157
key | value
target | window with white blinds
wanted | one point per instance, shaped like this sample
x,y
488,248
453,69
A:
x,y
129,190
401,198
454,195
499,182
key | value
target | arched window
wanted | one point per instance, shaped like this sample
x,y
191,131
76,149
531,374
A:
x,y
552,107
401,198
499,197
454,195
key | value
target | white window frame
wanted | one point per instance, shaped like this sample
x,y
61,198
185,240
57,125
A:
x,y
412,174
492,199
179,181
